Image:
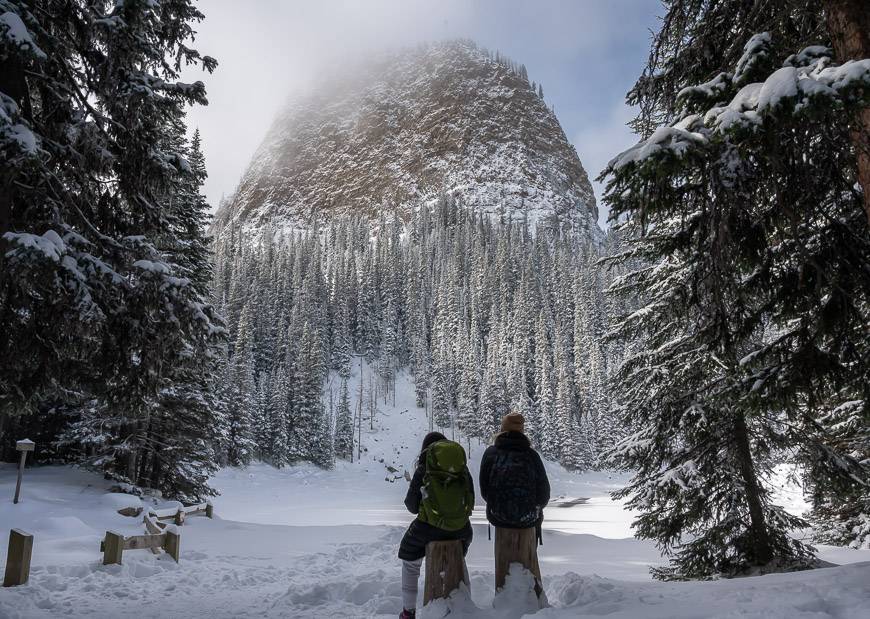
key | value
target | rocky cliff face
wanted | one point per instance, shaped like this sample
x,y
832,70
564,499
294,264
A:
x,y
402,130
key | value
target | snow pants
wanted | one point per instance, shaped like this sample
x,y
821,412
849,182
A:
x,y
410,580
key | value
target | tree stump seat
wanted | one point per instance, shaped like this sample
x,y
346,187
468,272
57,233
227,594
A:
x,y
516,546
445,569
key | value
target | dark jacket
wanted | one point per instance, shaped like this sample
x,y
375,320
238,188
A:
x,y
414,496
513,441
419,533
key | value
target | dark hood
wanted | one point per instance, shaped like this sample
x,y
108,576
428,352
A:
x,y
512,440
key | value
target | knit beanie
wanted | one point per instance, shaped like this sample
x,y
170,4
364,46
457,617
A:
x,y
513,422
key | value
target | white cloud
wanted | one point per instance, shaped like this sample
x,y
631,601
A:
x,y
268,50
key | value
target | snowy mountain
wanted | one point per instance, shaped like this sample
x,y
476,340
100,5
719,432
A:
x,y
398,131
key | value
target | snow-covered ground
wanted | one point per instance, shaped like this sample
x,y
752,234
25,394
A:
x,y
303,542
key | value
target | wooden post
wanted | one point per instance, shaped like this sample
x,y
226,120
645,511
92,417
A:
x,y
172,545
516,546
209,510
23,446
18,558
113,548
179,516
445,569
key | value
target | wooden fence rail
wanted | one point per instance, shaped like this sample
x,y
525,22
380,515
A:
x,y
159,534
179,514
114,545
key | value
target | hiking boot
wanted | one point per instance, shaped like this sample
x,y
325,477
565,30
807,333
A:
x,y
408,614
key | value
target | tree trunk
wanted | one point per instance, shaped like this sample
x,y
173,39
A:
x,y
5,219
758,527
849,28
148,457
3,418
156,471
13,83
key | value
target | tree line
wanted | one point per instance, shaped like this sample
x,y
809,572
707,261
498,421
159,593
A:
x,y
487,315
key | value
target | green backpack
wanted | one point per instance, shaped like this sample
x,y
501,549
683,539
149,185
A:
x,y
448,498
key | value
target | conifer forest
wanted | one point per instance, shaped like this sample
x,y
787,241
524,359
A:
x,y
256,281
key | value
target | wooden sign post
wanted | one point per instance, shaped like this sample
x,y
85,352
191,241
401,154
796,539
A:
x,y
23,446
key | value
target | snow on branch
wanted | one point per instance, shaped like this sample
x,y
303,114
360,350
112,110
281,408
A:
x,y
16,33
15,135
807,80
673,141
756,50
49,244
804,79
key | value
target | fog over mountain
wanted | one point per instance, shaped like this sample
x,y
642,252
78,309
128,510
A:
x,y
274,50
400,129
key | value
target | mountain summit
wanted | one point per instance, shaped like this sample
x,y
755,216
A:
x,y
400,131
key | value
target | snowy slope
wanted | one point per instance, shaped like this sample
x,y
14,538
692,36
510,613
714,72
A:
x,y
361,492
302,542
396,131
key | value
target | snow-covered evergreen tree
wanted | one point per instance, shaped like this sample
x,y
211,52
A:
x,y
241,397
750,251
103,266
279,415
344,425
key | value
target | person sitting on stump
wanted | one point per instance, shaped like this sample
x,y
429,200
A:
x,y
514,484
442,495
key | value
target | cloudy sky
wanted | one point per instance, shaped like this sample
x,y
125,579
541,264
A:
x,y
586,53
